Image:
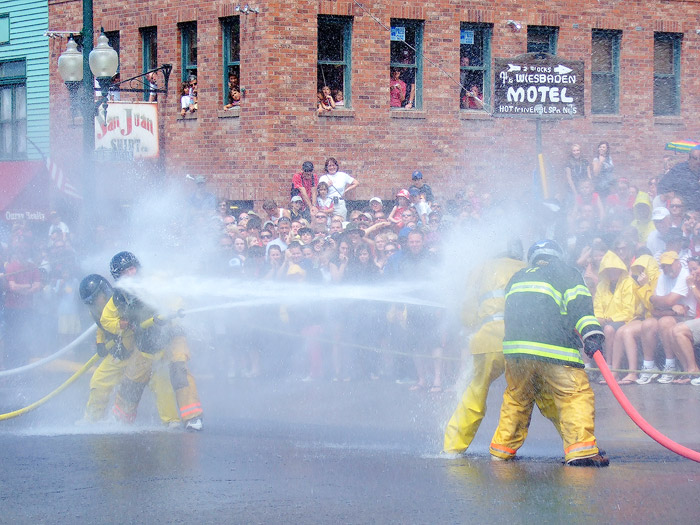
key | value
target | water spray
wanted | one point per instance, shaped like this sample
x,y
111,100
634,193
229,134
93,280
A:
x,y
48,359
636,416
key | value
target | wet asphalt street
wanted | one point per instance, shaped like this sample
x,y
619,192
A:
x,y
324,452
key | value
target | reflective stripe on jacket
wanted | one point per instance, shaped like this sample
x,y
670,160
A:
x,y
548,309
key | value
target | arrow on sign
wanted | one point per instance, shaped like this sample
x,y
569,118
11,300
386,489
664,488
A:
x,y
512,67
562,70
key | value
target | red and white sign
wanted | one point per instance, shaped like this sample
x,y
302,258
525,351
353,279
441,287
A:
x,y
129,130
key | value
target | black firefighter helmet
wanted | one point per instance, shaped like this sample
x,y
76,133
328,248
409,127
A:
x,y
122,262
91,286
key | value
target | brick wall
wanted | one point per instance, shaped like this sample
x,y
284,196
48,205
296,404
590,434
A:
x,y
254,155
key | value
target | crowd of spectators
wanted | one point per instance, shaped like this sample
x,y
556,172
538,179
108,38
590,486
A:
x,y
637,251
39,282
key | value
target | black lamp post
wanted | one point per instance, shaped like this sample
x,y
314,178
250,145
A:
x,y
76,69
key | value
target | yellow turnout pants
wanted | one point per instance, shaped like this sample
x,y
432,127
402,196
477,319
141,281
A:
x,y
138,373
529,380
109,374
471,410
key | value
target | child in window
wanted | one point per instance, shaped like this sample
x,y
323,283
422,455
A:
x,y
473,99
186,104
397,89
193,92
322,106
234,98
327,98
338,97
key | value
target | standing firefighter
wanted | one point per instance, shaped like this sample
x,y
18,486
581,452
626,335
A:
x,y
95,292
548,311
159,340
483,307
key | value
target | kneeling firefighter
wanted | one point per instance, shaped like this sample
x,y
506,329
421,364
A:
x,y
483,309
159,341
95,292
548,311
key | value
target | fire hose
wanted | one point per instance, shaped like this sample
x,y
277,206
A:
x,y
60,389
636,416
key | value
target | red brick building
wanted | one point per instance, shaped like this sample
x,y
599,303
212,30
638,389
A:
x,y
252,151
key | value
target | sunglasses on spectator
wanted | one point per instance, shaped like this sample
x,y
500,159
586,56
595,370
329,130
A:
x,y
267,236
320,216
676,206
362,218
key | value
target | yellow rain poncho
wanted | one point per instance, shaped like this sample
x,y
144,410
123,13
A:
x,y
644,293
618,302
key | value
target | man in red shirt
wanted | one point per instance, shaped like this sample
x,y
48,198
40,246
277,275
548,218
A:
x,y
23,282
304,185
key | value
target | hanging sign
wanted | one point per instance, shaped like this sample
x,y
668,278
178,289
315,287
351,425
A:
x,y
538,85
128,130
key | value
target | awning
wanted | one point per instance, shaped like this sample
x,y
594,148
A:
x,y
24,190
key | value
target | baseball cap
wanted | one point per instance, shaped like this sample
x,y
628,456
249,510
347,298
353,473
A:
x,y
375,199
403,193
413,192
296,198
668,258
660,213
307,166
417,175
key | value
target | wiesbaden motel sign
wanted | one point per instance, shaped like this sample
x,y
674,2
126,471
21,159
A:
x,y
538,85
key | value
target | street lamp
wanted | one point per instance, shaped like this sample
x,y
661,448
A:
x,y
103,59
104,62
70,67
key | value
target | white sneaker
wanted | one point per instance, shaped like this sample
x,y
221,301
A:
x,y
646,377
667,378
194,424
695,381
174,425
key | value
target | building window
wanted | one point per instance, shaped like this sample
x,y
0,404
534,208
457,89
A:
x,y
4,28
605,71
149,55
407,59
113,40
474,65
334,57
667,73
231,31
188,35
13,109
542,39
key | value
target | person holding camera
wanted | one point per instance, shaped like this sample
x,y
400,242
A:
x,y
339,183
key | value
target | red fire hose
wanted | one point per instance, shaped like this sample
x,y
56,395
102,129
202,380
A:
x,y
637,418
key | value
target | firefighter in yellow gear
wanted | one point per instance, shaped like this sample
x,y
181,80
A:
x,y
160,342
95,292
483,307
548,313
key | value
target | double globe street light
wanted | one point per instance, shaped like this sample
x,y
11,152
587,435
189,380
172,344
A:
x,y
104,62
